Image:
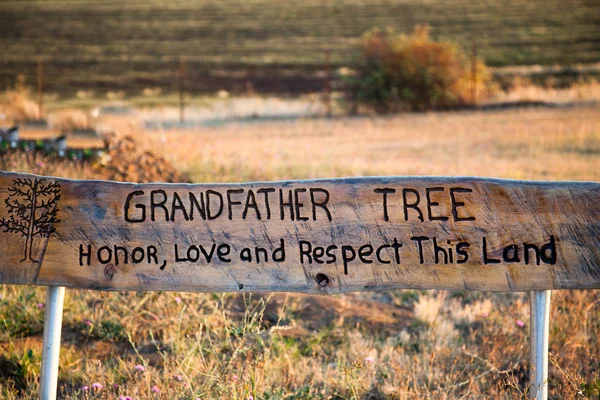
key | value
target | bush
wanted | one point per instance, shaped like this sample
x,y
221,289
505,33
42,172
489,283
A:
x,y
396,72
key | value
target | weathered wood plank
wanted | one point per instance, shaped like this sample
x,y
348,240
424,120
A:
x,y
319,236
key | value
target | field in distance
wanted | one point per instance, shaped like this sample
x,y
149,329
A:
x,y
280,46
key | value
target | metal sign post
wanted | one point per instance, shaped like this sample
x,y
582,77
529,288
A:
x,y
51,350
540,323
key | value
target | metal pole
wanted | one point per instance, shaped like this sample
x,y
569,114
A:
x,y
540,324
52,328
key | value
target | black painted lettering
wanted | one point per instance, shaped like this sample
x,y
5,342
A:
x,y
199,206
431,204
102,259
279,253
260,250
208,256
318,253
138,206
536,252
193,253
176,205
464,255
177,257
437,250
365,251
378,254
420,240
246,255
450,257
123,250
251,203
222,252
137,255
154,204
321,204
266,192
330,251
348,255
151,253
85,254
231,202
486,259
289,204
396,246
305,251
549,247
219,196
456,204
511,254
299,205
385,192
414,204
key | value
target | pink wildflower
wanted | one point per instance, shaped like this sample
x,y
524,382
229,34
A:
x,y
178,300
520,323
97,386
485,315
234,378
155,389
140,368
40,305
178,378
369,360
88,322
85,388
125,398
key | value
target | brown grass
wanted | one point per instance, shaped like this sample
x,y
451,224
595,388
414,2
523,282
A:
x,y
523,90
547,144
397,344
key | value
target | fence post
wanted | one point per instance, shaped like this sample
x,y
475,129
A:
x,y
474,74
40,87
327,88
540,324
181,89
55,297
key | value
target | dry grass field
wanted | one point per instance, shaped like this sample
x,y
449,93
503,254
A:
x,y
280,47
388,345
546,144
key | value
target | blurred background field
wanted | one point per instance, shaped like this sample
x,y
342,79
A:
x,y
264,99
278,46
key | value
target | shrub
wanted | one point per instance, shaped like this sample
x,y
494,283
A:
x,y
396,71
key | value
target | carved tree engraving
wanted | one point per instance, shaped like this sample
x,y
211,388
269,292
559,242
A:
x,y
32,209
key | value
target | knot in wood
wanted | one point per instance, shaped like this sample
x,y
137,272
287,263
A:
x,y
322,280
109,271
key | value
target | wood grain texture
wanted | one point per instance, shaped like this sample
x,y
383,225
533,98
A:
x,y
346,234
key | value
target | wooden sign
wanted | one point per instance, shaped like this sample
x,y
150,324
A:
x,y
317,236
